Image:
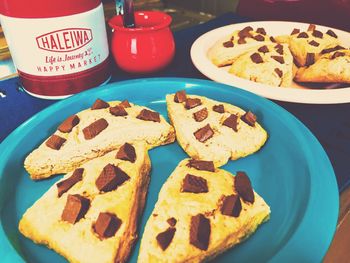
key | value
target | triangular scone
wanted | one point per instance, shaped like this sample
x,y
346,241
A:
x,y
307,46
94,132
91,215
331,67
214,131
267,64
200,214
225,50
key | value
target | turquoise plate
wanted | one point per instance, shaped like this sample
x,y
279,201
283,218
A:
x,y
291,172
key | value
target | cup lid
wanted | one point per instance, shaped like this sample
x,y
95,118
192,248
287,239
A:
x,y
45,8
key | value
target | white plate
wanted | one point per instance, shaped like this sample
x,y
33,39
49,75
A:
x,y
330,93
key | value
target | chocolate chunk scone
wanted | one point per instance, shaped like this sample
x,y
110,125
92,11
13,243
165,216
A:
x,y
225,50
307,46
91,215
331,67
213,130
270,64
94,132
201,212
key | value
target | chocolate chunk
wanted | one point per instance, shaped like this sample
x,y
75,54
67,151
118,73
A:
x,y
331,33
263,49
279,49
110,178
338,54
311,27
106,225
261,30
202,165
244,187
317,34
194,184
259,38
75,209
118,111
241,41
310,59
55,142
314,43
180,96
256,58
296,63
94,129
245,32
231,206
192,103
228,44
249,118
164,239
204,134
69,124
148,115
125,104
65,185
99,104
279,59
295,31
172,221
201,115
127,153
231,122
329,50
272,39
200,231
303,35
279,72
219,108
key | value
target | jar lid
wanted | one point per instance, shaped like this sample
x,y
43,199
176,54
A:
x,y
45,8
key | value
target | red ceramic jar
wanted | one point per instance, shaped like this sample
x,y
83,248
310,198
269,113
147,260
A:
x,y
146,48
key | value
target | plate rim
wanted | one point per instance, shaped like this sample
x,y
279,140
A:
x,y
309,96
291,244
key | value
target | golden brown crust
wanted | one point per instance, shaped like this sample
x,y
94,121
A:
x,y
226,231
42,223
44,161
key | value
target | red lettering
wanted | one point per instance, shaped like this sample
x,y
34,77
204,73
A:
x,y
45,42
86,37
66,40
38,68
72,66
85,62
53,42
78,36
71,37
59,42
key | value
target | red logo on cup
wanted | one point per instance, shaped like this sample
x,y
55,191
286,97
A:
x,y
64,40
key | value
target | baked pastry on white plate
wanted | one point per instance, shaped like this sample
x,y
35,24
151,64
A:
x,y
267,64
201,212
214,131
225,50
308,46
91,215
331,67
94,132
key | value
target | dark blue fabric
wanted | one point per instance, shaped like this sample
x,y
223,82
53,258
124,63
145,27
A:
x,y
329,123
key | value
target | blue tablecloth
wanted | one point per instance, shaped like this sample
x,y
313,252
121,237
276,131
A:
x,y
330,123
